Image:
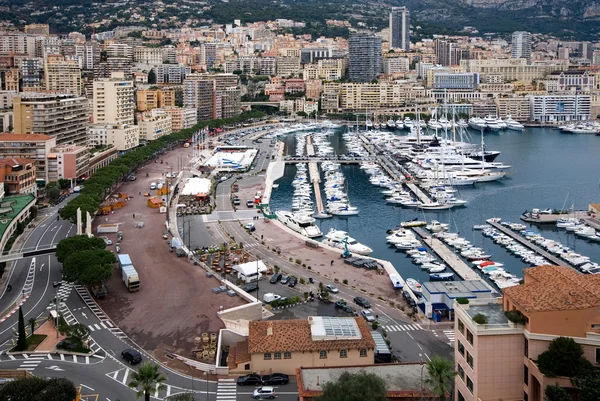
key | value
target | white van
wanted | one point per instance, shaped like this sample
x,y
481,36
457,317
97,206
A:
x,y
270,297
153,185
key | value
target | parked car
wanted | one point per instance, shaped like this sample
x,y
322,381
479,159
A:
x,y
132,178
332,288
249,380
249,287
350,310
285,279
132,356
360,301
249,203
236,201
250,226
368,315
106,240
276,378
275,278
67,345
340,304
264,392
293,281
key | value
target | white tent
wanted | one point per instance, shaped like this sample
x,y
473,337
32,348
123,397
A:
x,y
196,186
250,271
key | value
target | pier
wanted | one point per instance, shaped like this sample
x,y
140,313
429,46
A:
x,y
557,261
315,176
592,222
452,260
418,192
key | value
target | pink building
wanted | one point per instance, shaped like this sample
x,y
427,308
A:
x,y
496,360
294,85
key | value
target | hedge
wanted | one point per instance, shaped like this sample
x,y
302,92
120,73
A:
x,y
104,180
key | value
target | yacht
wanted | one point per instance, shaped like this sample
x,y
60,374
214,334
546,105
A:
x,y
477,123
414,285
493,124
513,125
369,124
300,223
436,226
339,239
391,124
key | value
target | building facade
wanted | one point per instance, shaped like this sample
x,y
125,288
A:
x,y
113,100
18,176
464,80
68,162
559,108
62,76
154,128
364,57
400,28
181,117
521,45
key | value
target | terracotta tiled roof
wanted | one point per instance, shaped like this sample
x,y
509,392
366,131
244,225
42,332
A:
x,y
295,335
23,137
552,288
242,354
15,161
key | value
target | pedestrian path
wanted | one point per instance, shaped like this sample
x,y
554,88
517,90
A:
x,y
450,335
31,361
226,390
402,327
105,322
64,291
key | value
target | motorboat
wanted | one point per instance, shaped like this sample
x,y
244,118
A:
x,y
435,226
391,124
513,125
414,285
300,223
436,206
340,239
441,276
396,281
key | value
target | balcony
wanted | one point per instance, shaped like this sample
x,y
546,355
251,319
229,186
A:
x,y
496,324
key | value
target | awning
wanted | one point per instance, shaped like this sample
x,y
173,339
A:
x,y
439,306
53,314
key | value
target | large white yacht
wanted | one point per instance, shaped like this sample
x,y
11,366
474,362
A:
x,y
300,223
338,239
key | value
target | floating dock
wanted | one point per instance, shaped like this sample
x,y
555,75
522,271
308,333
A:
x,y
418,192
315,176
557,261
452,260
551,218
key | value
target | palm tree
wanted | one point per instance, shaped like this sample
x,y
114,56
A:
x,y
441,376
145,380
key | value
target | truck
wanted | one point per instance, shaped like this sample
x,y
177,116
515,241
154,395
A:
x,y
107,228
270,297
128,273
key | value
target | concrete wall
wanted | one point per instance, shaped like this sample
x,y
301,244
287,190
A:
x,y
251,311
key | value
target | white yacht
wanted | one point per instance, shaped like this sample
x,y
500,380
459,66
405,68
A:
x,y
477,123
391,124
339,239
300,223
513,125
414,285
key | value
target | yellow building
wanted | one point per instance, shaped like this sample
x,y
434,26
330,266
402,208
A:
x,y
62,76
155,99
319,341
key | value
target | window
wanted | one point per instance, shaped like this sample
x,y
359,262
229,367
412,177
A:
x,y
287,355
323,354
469,384
597,355
460,396
469,337
525,396
461,372
461,348
470,359
461,327
343,353
363,352
277,355
526,375
527,349
267,355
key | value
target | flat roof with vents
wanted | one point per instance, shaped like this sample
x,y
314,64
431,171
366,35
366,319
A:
x,y
334,328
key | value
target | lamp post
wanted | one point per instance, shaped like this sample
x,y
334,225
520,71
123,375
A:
x,y
206,376
422,366
56,303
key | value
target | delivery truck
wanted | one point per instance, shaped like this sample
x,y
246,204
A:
x,y
128,273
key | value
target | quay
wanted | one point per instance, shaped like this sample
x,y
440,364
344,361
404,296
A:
x,y
551,218
528,244
592,222
315,176
450,258
418,192
317,159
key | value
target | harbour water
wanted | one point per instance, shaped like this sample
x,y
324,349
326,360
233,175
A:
x,y
549,170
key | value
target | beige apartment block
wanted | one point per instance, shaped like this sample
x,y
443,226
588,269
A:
x,y
288,66
34,147
149,99
181,117
512,69
113,100
155,127
518,107
62,76
497,360
124,137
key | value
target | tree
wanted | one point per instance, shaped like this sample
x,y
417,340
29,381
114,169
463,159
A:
x,y
78,333
355,387
556,393
38,389
441,376
152,77
64,183
564,357
480,318
589,384
146,379
22,339
77,243
53,193
89,267
31,323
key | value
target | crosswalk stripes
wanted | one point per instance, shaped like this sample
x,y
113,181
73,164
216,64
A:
x,y
64,291
123,377
104,320
226,390
402,327
450,335
31,362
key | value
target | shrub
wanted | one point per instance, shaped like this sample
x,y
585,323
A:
x,y
276,268
285,302
480,318
564,357
384,332
345,281
516,316
462,301
298,261
375,325
302,281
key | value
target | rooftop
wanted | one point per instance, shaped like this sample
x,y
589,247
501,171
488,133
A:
x,y
402,380
554,288
493,311
456,289
296,335
7,137
16,204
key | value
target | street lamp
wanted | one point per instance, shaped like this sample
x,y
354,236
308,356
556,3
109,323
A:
x,y
56,303
422,366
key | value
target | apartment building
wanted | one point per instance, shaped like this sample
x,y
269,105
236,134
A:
x,y
327,70
119,50
395,65
171,74
512,69
364,57
200,93
64,117
518,107
103,158
254,65
121,137
313,88
31,72
497,360
105,69
230,101
113,100
19,43
579,81
148,55
149,99
330,97
288,66
181,117
68,162
18,176
460,80
62,76
34,147
556,108
371,96
37,29
154,127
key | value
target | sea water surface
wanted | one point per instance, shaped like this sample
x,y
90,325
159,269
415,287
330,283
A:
x,y
549,170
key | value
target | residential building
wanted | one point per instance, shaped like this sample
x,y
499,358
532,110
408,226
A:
x,y
200,93
9,80
498,359
309,55
171,74
255,65
62,76
394,65
288,66
32,72
512,69
68,162
64,117
18,176
7,120
521,45
155,98
37,29
90,54
327,69
154,128
15,209
6,100
294,85
101,158
121,137
330,98
303,342
460,80
34,147
517,107
19,43
558,108
209,52
400,28
113,100
148,55
230,101
449,53
364,64
104,69
314,88
181,117
119,50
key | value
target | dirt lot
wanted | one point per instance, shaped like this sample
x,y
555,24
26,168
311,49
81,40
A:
x,y
175,303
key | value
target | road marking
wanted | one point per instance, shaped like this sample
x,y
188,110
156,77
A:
x,y
49,357
42,265
75,358
62,357
97,327
84,315
88,387
91,327
54,237
125,377
87,360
